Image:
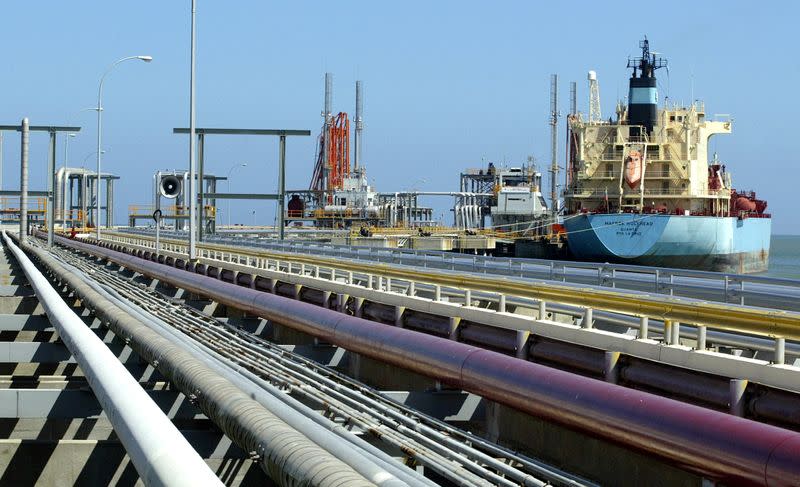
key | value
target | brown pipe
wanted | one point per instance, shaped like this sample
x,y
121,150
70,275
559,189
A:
x,y
721,447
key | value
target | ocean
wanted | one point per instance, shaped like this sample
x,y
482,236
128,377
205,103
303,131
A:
x,y
784,257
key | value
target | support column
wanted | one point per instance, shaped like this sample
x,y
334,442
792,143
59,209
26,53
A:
x,y
23,178
71,204
109,203
281,184
84,197
737,390
398,315
611,367
521,341
51,186
201,184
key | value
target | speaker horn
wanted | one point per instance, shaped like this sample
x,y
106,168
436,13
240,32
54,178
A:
x,y
170,186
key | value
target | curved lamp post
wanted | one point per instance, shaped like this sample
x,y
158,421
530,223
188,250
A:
x,y
146,59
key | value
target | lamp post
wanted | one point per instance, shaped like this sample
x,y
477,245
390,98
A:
x,y
228,180
146,59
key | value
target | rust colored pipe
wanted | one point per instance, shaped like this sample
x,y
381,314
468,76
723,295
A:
x,y
719,446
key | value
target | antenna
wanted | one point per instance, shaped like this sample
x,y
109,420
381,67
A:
x,y
594,98
554,144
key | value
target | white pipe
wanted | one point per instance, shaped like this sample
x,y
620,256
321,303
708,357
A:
x,y
160,453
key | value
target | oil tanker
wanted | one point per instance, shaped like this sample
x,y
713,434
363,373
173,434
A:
x,y
641,188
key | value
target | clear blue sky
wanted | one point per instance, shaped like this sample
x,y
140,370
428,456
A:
x,y
447,83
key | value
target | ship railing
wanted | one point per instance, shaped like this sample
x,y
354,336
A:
x,y
743,289
602,192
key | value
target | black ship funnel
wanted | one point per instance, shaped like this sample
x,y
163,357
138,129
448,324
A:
x,y
643,95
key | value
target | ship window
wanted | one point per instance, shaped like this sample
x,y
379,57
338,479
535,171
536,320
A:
x,y
672,118
665,187
609,170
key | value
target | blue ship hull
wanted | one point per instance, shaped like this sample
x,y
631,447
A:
x,y
724,244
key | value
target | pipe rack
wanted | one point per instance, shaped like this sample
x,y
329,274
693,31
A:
x,y
719,446
160,453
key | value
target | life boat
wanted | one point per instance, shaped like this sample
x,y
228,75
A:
x,y
633,169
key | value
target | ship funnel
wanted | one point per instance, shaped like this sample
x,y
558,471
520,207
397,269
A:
x,y
643,95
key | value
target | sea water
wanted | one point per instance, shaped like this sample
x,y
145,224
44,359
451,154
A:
x,y
784,257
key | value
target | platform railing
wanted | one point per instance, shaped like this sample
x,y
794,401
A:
x,y
743,289
774,324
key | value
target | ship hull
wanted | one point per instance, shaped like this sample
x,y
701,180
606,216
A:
x,y
723,244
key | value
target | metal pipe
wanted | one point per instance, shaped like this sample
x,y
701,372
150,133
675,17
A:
x,y
160,453
721,447
325,137
359,127
23,199
281,187
317,427
51,183
287,456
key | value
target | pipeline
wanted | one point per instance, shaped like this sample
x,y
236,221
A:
x,y
160,453
719,446
286,455
716,315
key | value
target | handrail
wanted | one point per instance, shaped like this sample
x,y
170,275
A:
x,y
482,263
722,316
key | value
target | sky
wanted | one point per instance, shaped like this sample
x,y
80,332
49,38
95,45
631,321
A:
x,y
448,85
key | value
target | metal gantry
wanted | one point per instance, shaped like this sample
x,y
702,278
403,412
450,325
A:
x,y
24,128
280,196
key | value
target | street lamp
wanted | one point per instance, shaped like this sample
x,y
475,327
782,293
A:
x,y
68,136
146,59
228,180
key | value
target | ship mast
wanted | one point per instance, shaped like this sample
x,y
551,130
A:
x,y
554,145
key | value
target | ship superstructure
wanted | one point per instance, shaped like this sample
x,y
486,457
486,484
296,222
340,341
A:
x,y
633,181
